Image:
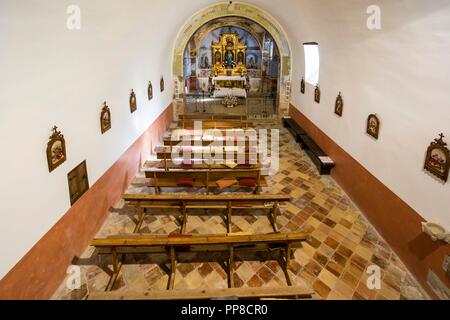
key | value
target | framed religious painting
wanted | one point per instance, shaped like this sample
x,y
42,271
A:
x,y
105,118
150,91
373,126
437,160
56,150
161,84
133,102
339,105
303,86
317,94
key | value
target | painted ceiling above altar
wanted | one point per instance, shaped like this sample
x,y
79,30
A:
x,y
262,53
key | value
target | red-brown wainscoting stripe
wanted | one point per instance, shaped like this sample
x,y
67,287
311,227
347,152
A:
x,y
395,220
39,273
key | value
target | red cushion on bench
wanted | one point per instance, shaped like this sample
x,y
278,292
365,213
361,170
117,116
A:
x,y
187,163
185,182
250,149
247,182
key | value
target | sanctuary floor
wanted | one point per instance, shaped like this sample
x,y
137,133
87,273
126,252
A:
x,y
343,243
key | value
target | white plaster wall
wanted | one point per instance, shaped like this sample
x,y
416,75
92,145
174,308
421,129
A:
x,y
52,76
400,72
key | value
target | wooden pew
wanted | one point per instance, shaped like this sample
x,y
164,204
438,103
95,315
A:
x,y
165,152
213,124
230,132
119,246
208,140
259,293
212,117
203,178
196,165
228,202
209,154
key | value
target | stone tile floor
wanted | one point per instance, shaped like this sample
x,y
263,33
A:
x,y
334,262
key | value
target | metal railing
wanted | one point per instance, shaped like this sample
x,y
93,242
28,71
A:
x,y
256,106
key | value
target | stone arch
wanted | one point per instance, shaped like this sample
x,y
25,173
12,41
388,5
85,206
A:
x,y
244,10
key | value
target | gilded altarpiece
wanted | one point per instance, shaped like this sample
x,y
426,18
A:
x,y
229,56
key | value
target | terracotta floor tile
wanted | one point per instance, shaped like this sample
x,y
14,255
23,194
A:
x,y
365,292
349,279
321,288
344,290
344,251
331,243
328,278
321,259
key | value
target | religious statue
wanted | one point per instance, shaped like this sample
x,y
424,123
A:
x,y
229,62
218,58
251,63
240,59
204,62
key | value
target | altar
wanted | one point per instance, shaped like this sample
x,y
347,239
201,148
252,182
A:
x,y
229,85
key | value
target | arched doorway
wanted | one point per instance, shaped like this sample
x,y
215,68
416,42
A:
x,y
203,22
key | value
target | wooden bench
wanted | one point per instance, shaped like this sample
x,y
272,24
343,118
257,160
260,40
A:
x,y
196,165
228,202
259,293
231,244
212,117
320,159
293,128
207,140
211,154
178,133
203,178
190,124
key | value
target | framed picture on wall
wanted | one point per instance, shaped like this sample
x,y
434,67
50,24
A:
x,y
56,150
78,182
317,94
339,105
303,86
373,126
150,91
105,118
133,102
161,84
437,160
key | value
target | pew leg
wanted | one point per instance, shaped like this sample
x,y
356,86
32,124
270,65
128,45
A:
x,y
117,262
274,214
185,219
173,268
229,213
231,268
141,216
284,266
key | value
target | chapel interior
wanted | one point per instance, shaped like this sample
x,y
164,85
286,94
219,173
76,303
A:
x,y
176,150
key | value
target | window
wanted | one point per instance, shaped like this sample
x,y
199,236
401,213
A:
x,y
312,62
